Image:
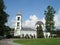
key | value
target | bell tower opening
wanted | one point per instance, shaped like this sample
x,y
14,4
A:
x,y
18,18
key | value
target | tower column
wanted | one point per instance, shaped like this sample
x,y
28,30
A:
x,y
18,24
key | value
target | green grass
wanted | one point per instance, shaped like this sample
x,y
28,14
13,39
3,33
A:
x,y
52,41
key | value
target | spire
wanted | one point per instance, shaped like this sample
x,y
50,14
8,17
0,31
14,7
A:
x,y
19,13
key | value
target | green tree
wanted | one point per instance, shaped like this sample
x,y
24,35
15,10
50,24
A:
x,y
49,17
3,17
8,32
57,32
39,29
39,32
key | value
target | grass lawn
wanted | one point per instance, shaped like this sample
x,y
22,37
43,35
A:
x,y
42,41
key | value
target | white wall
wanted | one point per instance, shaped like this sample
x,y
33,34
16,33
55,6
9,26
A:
x,y
29,33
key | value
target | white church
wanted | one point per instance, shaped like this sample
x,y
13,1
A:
x,y
22,31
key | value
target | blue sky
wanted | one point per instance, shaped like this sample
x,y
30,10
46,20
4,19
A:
x,y
29,7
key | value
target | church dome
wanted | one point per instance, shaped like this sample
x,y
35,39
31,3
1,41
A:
x,y
39,23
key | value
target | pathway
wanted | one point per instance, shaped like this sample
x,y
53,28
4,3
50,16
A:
x,y
8,42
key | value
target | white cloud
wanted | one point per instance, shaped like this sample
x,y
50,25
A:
x,y
57,19
32,21
11,23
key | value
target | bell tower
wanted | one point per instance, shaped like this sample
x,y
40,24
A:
x,y
18,24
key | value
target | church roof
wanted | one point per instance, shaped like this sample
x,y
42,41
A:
x,y
28,29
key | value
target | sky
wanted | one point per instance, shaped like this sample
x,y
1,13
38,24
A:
x,y
32,11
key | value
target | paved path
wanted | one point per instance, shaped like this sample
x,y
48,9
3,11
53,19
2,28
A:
x,y
8,42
